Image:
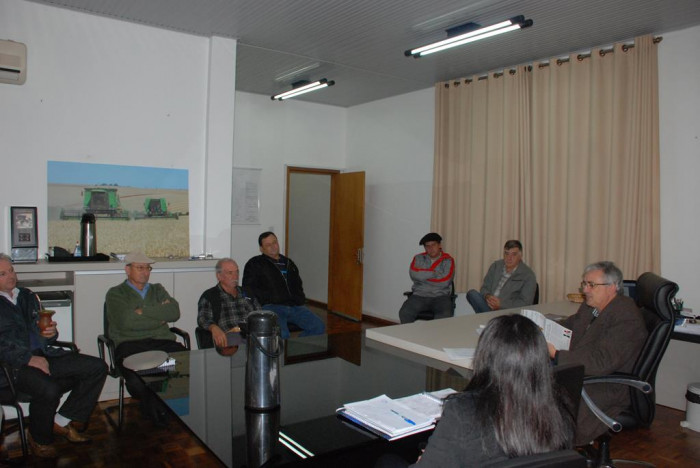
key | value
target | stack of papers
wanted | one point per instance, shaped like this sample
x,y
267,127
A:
x,y
394,419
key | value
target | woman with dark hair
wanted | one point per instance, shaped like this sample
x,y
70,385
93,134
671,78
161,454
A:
x,y
510,408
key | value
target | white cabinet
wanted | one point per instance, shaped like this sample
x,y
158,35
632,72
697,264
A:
x,y
184,280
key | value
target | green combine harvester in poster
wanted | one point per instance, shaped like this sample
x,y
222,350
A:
x,y
155,208
102,202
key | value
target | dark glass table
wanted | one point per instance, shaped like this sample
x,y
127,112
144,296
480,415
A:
x,y
317,375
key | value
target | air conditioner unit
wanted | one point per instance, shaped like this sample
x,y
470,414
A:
x,y
13,62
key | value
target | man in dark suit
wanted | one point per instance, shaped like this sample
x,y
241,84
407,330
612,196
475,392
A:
x,y
42,371
608,335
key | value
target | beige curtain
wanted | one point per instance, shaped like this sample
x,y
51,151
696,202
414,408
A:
x,y
563,157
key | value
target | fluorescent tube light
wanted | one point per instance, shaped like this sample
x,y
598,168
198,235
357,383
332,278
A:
x,y
512,24
303,88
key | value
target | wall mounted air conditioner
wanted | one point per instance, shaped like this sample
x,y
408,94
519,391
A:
x,y
13,62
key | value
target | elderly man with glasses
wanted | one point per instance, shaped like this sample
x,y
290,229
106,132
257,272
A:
x,y
608,335
138,313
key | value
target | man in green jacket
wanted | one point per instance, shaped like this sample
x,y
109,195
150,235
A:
x,y
138,313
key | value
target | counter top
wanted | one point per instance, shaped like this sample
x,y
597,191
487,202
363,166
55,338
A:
x,y
160,264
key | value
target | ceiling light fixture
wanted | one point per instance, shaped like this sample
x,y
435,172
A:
x,y
303,87
470,32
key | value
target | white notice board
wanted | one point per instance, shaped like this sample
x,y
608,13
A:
x,y
245,196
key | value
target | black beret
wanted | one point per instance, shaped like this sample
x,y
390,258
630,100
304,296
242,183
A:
x,y
433,236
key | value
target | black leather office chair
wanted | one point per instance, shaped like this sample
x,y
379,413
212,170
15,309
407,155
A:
x,y
9,396
561,459
204,338
104,341
653,296
536,299
428,315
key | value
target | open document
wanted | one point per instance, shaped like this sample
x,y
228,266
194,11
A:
x,y
554,333
393,419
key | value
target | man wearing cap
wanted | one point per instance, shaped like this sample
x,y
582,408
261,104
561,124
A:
x,y
432,273
138,313
508,283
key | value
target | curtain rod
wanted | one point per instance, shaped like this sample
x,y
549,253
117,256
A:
x,y
559,61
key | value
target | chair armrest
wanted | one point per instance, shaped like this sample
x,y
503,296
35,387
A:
x,y
184,335
66,345
102,342
621,379
408,293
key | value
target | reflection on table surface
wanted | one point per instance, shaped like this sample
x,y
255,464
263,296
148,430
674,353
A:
x,y
317,375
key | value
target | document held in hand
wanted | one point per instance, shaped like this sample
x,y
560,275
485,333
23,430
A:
x,y
554,333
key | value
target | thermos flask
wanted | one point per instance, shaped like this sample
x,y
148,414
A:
x,y
262,380
88,236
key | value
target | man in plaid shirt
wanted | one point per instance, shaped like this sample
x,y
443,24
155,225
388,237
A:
x,y
225,307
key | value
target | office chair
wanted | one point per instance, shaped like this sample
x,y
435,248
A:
x,y
536,299
104,341
9,396
428,315
204,338
654,295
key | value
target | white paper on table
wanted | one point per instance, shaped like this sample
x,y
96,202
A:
x,y
456,354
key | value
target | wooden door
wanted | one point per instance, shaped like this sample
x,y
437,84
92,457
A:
x,y
346,244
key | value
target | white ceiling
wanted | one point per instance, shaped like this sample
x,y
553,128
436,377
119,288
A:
x,y
360,43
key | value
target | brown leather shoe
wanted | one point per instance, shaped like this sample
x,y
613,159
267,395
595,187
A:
x,y
43,451
70,434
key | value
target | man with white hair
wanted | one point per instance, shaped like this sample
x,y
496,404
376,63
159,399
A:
x,y
138,313
608,335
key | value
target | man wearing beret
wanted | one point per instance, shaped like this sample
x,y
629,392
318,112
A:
x,y
508,283
138,313
432,273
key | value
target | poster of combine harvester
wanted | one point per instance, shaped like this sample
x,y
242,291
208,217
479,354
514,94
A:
x,y
145,208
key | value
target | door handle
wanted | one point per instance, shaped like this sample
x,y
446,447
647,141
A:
x,y
360,256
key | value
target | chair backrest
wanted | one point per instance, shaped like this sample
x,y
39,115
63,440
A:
x,y
105,321
560,459
204,338
536,299
654,295
570,379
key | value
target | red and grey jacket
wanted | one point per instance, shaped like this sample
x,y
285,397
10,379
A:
x,y
432,278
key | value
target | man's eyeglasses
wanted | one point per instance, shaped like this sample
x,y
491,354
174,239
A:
x,y
141,268
592,285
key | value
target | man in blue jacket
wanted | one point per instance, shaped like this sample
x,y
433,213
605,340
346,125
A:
x,y
44,372
274,281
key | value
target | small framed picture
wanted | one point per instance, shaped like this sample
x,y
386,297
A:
x,y
23,226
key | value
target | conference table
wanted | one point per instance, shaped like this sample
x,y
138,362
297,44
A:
x,y
426,341
317,376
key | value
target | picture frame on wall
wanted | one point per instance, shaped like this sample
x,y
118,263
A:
x,y
24,233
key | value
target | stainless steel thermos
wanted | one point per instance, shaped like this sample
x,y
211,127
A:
x,y
262,379
88,235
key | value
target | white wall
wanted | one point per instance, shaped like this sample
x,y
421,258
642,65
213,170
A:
x,y
107,91
309,230
392,140
271,135
679,108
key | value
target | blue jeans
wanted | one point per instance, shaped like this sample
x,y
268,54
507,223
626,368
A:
x,y
477,301
300,316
